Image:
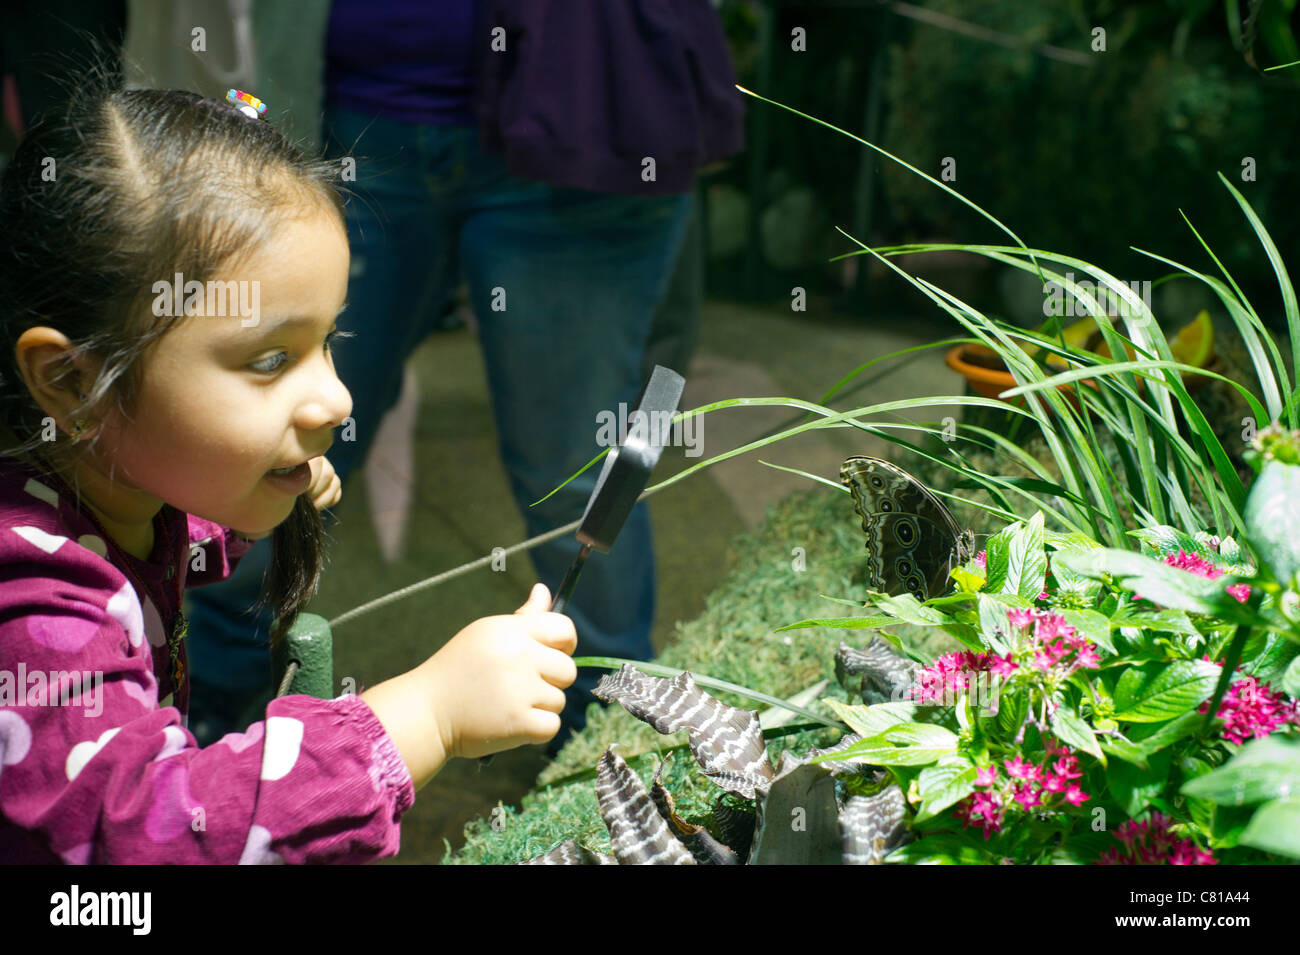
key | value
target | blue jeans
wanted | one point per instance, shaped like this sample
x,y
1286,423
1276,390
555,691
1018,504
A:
x,y
563,283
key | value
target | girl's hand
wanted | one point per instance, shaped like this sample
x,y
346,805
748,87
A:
x,y
326,489
497,684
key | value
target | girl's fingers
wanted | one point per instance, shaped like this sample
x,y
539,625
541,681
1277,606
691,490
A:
x,y
539,600
551,700
326,488
330,496
556,667
541,724
554,630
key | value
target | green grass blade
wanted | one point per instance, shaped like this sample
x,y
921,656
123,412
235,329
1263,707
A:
x,y
1283,281
888,155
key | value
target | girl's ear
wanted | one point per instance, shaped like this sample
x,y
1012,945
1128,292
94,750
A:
x,y
57,377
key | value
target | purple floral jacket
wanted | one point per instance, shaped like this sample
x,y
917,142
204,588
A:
x,y
96,763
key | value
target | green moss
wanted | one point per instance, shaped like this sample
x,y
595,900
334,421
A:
x,y
733,640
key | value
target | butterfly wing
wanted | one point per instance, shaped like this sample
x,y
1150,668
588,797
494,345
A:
x,y
892,488
912,538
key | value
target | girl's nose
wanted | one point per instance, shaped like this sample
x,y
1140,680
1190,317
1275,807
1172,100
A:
x,y
339,400
329,407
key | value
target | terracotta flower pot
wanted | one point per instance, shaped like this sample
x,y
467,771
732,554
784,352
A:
x,y
987,374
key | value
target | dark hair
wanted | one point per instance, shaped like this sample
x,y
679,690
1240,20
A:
x,y
103,196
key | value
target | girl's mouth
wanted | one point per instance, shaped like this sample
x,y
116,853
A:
x,y
292,480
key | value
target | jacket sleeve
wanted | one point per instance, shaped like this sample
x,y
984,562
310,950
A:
x,y
214,552
106,776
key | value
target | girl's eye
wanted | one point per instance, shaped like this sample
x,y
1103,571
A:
x,y
265,365
274,362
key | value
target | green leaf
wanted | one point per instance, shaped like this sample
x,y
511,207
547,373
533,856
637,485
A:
x,y
1158,692
1272,517
1168,621
967,581
844,623
1231,660
1272,661
1027,560
910,610
1082,847
1135,789
1229,823
1166,540
909,744
1160,583
941,785
1067,579
968,636
1070,541
1160,736
1275,827
869,721
1095,626
1125,750
1291,679
944,848
1012,708
1070,728
993,624
996,559
1203,812
921,734
1263,769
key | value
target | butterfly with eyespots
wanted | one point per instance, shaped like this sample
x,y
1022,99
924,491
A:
x,y
913,541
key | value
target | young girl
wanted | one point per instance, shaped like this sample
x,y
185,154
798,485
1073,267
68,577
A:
x,y
170,273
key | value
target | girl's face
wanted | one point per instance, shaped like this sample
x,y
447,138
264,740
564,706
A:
x,y
226,399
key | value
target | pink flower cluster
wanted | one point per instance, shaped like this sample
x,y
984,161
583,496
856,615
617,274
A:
x,y
1051,646
1025,786
1151,843
1251,707
1198,565
952,673
1054,642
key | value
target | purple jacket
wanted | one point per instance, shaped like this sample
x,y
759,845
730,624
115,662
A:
x,y
585,90
96,765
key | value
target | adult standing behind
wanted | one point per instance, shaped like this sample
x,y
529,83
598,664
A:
x,y
546,151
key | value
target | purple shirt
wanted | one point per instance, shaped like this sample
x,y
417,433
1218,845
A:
x,y
102,769
576,93
408,60
586,92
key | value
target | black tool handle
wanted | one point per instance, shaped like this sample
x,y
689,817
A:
x,y
570,581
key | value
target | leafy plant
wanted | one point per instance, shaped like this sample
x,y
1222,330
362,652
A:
x,y
1079,726
1130,661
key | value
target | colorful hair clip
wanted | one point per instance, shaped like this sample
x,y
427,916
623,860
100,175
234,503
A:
x,y
246,103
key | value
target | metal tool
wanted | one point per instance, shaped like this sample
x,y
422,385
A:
x,y
625,473
623,477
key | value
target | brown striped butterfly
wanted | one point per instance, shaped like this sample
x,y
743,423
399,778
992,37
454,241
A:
x,y
913,541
